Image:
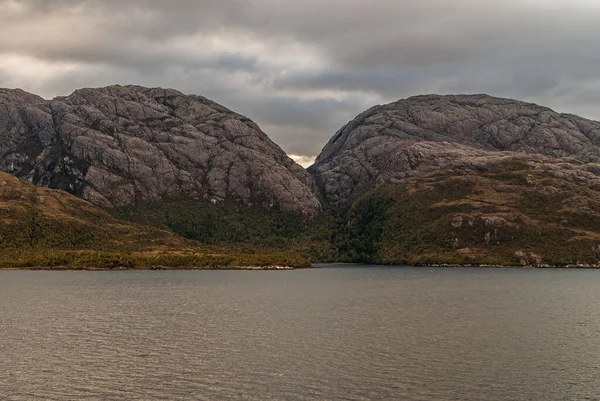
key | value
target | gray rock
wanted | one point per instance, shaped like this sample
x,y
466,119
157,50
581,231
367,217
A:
x,y
423,134
116,146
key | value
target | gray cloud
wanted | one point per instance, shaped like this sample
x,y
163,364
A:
x,y
302,69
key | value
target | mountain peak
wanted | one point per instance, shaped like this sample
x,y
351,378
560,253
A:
x,y
435,132
122,145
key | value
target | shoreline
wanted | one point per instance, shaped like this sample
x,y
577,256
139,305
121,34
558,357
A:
x,y
154,268
288,268
468,266
457,266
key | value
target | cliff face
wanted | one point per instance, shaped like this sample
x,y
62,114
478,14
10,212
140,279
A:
x,y
423,134
118,146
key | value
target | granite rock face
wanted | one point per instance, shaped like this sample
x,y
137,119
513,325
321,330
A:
x,y
424,134
117,146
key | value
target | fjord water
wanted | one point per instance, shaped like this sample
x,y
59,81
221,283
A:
x,y
352,332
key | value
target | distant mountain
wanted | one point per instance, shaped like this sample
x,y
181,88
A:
x,y
465,180
124,145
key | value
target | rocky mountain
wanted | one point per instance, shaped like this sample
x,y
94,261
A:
x,y
430,180
419,135
124,145
470,180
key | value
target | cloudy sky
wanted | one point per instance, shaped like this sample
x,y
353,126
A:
x,y
303,68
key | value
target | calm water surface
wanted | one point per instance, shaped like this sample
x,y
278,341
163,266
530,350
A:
x,y
342,333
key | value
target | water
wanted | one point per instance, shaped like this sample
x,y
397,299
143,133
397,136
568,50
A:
x,y
345,333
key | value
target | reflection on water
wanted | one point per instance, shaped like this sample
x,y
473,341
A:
x,y
353,333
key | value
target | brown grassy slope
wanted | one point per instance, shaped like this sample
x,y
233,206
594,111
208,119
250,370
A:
x,y
514,214
49,228
43,218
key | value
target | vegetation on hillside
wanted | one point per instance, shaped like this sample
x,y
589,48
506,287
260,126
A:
x,y
228,226
511,216
515,216
48,228
86,259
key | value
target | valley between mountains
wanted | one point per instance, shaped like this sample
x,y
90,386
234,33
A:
x,y
134,177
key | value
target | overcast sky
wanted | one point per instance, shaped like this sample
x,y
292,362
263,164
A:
x,y
303,68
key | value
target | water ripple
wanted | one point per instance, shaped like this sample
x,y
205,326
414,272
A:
x,y
329,334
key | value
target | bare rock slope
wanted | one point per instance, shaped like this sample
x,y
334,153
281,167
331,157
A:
x,y
118,145
424,134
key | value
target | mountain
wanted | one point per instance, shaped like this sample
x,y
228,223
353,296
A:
x,y
126,145
464,180
175,181
416,136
